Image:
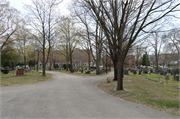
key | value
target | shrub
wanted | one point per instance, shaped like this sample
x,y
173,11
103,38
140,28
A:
x,y
20,69
108,80
5,71
64,66
56,66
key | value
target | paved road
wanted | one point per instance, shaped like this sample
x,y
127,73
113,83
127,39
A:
x,y
69,96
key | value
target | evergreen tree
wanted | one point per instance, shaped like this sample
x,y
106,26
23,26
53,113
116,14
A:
x,y
145,59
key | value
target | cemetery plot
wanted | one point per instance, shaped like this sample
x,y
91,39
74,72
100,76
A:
x,y
163,78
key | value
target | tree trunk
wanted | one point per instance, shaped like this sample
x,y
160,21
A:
x,y
38,60
115,71
50,64
24,62
44,64
106,61
89,60
97,66
71,63
12,65
156,58
119,74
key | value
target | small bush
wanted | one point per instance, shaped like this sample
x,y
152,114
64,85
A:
x,y
108,80
5,71
20,69
34,68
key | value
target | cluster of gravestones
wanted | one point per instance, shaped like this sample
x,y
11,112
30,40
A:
x,y
160,71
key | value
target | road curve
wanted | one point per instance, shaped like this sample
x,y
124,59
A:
x,y
69,96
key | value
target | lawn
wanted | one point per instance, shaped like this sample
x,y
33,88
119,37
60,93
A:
x,y
32,77
161,78
142,91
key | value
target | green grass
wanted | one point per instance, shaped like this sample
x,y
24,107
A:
x,y
32,77
161,78
142,91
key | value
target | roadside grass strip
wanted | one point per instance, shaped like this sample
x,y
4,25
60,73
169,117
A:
x,y
30,77
146,92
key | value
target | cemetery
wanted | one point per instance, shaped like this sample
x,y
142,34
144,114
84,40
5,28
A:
x,y
164,76
19,77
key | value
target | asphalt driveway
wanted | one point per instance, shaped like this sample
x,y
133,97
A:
x,y
69,96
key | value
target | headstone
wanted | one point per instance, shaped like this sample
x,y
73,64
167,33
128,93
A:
x,y
167,77
161,72
87,72
177,78
72,70
126,72
145,71
164,70
135,72
82,70
102,71
20,73
26,70
136,68
151,70
165,73
140,72
169,71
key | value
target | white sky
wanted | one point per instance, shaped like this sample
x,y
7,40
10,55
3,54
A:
x,y
18,4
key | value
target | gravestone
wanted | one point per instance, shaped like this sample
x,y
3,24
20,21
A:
x,y
164,70
145,71
135,72
87,72
165,73
140,72
161,72
151,70
177,78
71,70
167,77
26,70
20,73
126,72
169,71
82,70
136,69
102,71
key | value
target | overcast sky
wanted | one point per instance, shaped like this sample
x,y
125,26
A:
x,y
18,4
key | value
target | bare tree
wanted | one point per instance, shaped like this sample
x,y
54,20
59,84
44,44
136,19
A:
x,y
22,38
9,21
67,32
122,21
174,38
42,18
157,43
93,33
